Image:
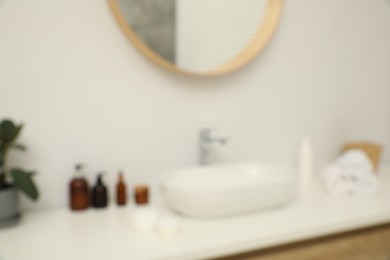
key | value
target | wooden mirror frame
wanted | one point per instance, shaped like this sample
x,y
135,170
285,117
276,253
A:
x,y
254,47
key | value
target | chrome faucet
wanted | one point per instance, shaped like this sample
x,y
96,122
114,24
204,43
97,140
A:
x,y
206,140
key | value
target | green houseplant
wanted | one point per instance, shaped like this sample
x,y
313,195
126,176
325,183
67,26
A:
x,y
12,179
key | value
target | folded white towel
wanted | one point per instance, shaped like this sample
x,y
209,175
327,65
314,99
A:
x,y
351,174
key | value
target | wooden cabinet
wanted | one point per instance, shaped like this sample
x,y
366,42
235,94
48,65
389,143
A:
x,y
366,244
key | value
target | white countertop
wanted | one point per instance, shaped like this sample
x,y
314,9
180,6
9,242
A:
x,y
108,234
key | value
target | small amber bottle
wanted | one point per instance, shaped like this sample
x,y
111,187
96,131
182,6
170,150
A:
x,y
141,194
121,193
78,190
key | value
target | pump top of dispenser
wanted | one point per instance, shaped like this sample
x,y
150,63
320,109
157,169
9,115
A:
x,y
99,179
79,166
79,170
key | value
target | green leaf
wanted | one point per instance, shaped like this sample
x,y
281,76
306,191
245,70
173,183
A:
x,y
2,153
19,147
9,131
23,180
16,133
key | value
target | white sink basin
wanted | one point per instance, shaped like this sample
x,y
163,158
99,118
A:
x,y
228,189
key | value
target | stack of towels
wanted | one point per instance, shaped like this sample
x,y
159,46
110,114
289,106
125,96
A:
x,y
352,174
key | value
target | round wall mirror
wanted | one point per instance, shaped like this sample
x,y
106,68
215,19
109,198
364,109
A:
x,y
201,37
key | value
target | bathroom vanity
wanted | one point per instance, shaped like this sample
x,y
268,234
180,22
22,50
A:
x,y
61,234
370,243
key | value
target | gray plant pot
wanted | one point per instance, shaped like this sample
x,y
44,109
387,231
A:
x,y
9,207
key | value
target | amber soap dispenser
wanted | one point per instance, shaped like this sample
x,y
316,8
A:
x,y
78,190
99,193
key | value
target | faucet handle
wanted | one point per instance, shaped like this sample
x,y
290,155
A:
x,y
206,140
208,134
209,130
205,131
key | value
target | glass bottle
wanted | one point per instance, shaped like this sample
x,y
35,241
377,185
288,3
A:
x,y
141,194
99,193
121,193
78,190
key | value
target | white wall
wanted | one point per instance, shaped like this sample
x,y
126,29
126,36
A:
x,y
86,94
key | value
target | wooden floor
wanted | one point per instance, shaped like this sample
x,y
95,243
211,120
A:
x,y
367,244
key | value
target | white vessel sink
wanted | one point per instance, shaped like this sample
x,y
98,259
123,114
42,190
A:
x,y
228,189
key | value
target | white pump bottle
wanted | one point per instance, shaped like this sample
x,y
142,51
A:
x,y
305,160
